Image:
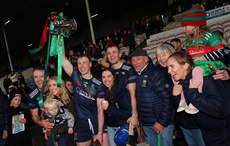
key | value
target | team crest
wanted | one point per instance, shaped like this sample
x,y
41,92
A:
x,y
144,83
92,86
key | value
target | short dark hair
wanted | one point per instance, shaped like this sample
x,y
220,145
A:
x,y
175,40
38,68
68,79
110,46
84,55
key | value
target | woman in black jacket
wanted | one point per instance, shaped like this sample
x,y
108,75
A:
x,y
117,105
213,103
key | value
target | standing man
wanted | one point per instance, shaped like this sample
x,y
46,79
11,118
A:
x,y
88,95
113,56
153,98
33,97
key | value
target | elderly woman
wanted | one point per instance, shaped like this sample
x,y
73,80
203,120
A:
x,y
163,51
213,102
190,129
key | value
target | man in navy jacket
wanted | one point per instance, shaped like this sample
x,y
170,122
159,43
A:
x,y
153,97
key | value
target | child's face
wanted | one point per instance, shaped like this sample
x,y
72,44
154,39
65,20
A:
x,y
16,101
52,109
189,30
69,86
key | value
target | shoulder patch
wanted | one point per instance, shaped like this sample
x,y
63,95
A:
x,y
126,67
96,81
34,93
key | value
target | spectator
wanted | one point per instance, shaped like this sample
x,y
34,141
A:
x,y
61,94
24,91
23,137
213,103
6,83
158,24
204,46
4,118
117,104
21,78
153,93
177,44
56,114
14,78
122,69
190,129
131,41
69,86
125,38
33,100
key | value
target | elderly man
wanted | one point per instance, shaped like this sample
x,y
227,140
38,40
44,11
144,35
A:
x,y
153,94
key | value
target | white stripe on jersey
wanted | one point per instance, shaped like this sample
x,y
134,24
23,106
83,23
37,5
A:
x,y
34,93
96,81
125,67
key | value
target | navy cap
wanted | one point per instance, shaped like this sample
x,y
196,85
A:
x,y
138,53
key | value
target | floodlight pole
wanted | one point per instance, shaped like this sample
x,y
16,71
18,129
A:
x,y
90,21
7,48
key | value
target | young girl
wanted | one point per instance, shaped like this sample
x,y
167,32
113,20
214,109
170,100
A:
x,y
55,113
19,137
204,46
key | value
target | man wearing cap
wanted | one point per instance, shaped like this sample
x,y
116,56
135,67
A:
x,y
153,97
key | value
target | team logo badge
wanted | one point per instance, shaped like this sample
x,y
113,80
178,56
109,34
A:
x,y
92,86
144,83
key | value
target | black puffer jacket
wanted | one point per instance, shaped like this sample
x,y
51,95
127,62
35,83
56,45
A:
x,y
213,103
153,97
117,114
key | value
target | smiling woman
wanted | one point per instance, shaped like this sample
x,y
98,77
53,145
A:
x,y
213,103
117,103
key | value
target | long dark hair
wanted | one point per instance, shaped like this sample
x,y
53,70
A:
x,y
109,94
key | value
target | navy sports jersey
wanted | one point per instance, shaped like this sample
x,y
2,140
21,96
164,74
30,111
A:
x,y
128,71
33,98
85,94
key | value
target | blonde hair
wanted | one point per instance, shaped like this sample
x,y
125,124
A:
x,y
64,96
199,30
51,101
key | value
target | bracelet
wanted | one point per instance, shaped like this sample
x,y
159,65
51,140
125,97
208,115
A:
x,y
135,116
101,133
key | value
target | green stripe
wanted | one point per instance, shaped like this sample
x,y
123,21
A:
x,y
195,11
194,18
